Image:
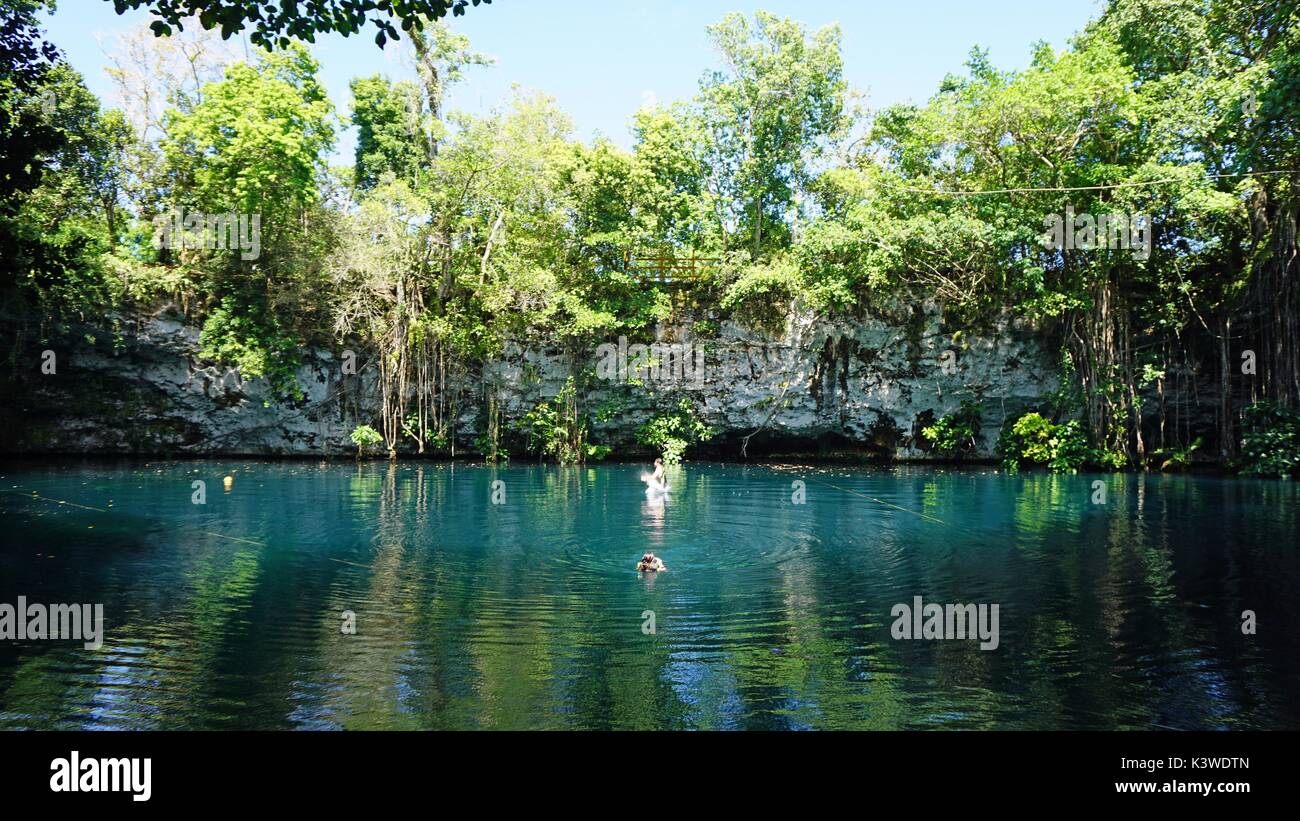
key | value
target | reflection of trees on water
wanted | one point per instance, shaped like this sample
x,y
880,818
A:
x,y
365,672
772,615
1118,635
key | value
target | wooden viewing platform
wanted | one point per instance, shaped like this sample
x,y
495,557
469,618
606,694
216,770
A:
x,y
667,269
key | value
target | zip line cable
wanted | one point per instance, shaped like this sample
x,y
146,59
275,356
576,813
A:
x,y
34,495
1138,184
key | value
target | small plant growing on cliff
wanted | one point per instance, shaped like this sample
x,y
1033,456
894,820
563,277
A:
x,y
493,453
956,433
1178,458
761,293
558,429
1034,439
365,437
674,431
425,438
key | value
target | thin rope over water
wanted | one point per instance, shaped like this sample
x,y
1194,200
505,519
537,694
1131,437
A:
x,y
232,538
34,495
1139,184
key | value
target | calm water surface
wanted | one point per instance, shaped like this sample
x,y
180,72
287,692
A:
x,y
529,614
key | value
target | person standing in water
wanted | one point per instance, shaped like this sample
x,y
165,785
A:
x,y
656,482
660,480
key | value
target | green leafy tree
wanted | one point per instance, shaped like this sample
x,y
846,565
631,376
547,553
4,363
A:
x,y
675,430
387,116
770,113
1221,78
60,163
27,136
254,147
256,143
1271,440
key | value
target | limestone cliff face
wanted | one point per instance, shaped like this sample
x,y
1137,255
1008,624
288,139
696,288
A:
x,y
866,386
137,385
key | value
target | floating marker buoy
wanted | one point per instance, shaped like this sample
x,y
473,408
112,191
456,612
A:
x,y
229,482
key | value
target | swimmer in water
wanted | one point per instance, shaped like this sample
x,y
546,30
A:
x,y
650,563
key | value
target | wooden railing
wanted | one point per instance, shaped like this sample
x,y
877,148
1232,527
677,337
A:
x,y
667,269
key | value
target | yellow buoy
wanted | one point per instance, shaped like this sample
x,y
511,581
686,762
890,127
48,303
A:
x,y
229,482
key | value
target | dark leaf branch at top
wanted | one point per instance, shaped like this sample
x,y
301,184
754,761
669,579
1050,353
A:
x,y
277,22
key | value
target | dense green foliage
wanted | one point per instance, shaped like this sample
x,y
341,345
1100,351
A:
x,y
451,235
957,432
276,21
1034,440
60,207
557,429
1271,441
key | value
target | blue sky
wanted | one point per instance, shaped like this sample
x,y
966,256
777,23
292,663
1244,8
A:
x,y
602,58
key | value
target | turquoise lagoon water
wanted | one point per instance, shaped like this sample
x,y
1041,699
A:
x,y
529,614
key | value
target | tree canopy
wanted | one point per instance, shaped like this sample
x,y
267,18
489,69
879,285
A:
x,y
279,22
449,235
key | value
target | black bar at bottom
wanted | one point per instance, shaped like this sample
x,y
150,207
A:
x,y
210,770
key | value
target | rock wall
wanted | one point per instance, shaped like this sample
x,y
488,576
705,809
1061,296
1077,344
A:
x,y
864,386
137,385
